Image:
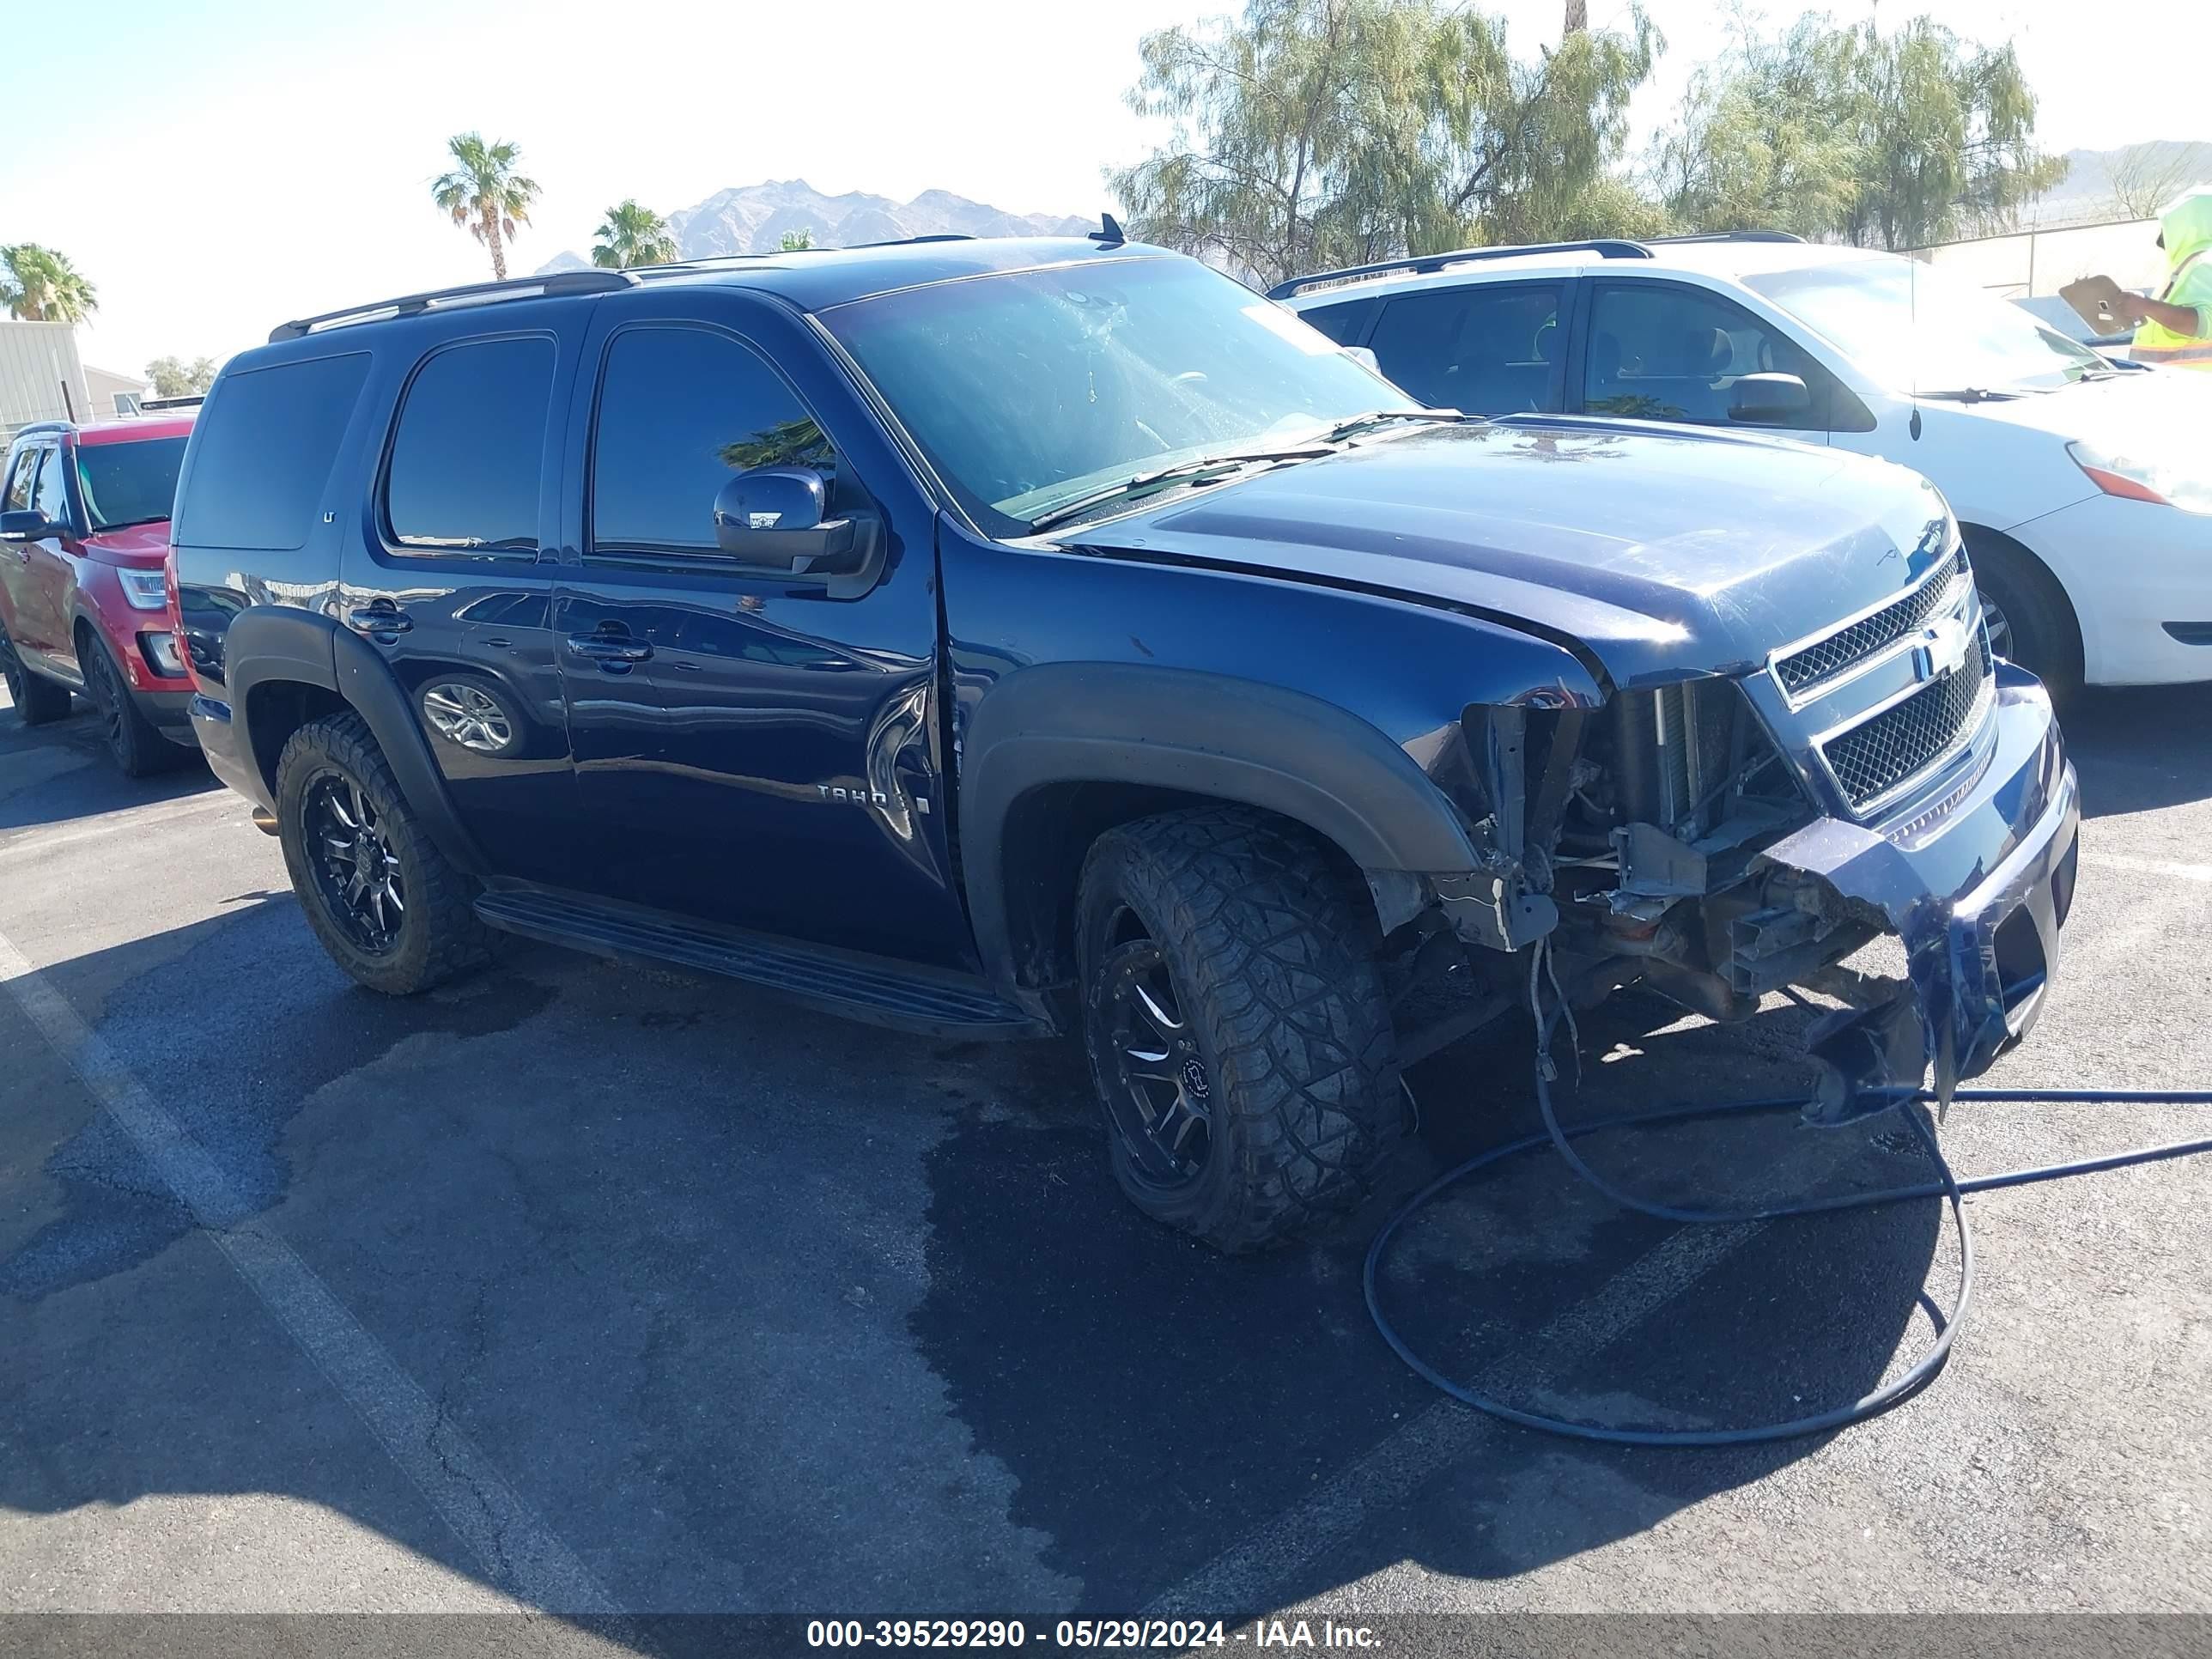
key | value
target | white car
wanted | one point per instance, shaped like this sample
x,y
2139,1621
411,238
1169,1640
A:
x,y
2084,487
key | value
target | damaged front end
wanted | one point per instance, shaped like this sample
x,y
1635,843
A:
x,y
1720,838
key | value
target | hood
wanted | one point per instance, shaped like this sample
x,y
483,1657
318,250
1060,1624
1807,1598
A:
x,y
139,545
1663,555
2154,415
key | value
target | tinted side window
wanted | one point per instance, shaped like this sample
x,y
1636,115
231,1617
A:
x,y
1659,352
19,481
1342,323
1485,350
680,409
51,496
262,452
470,447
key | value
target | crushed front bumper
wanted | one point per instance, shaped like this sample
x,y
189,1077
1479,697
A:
x,y
1977,883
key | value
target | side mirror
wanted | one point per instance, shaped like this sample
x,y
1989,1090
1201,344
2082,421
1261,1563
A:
x,y
771,517
25,523
1366,359
1768,400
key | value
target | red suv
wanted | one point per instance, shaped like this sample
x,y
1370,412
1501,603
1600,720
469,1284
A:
x,y
84,530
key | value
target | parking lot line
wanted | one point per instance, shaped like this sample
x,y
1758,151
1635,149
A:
x,y
1239,1580
519,1554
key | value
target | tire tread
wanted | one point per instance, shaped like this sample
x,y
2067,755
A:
x,y
456,941
1277,952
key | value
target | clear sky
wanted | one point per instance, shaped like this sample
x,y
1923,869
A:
x,y
218,166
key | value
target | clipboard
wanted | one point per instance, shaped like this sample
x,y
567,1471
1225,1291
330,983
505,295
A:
x,y
2094,300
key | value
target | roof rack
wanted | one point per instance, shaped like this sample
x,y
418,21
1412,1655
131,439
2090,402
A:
x,y
709,261
1604,247
1729,236
902,242
472,294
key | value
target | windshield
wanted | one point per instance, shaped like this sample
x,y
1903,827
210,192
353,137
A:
x,y
126,484
1917,330
1033,388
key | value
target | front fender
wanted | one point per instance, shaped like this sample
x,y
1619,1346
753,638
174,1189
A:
x,y
1200,734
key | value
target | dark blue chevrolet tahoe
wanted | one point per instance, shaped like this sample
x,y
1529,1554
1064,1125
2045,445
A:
x,y
1010,638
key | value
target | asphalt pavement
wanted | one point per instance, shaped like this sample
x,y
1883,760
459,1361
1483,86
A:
x,y
605,1291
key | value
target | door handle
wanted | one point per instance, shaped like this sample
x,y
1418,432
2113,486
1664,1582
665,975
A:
x,y
384,618
614,649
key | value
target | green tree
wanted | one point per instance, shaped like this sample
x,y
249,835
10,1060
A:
x,y
795,241
633,235
1524,147
484,192
796,442
172,377
1756,147
1320,132
1887,140
39,285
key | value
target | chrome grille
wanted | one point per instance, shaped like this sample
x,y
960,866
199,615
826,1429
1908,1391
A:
x,y
1805,668
1906,738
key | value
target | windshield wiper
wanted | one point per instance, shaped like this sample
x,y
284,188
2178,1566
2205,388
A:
x,y
129,524
1973,394
1205,470
1352,425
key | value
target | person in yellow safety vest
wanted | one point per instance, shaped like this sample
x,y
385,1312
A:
x,y
2176,328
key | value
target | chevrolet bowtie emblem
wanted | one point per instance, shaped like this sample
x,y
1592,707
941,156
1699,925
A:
x,y
1942,649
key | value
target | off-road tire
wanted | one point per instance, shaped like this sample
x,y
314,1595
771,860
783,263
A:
x,y
1274,955
138,749
441,937
38,702
2046,639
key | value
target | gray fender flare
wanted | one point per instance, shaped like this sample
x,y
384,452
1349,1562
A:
x,y
1203,734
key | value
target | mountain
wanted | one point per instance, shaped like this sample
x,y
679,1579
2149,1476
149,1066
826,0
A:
x,y
755,219
2097,179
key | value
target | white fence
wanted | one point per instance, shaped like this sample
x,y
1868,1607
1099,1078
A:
x,y
2033,263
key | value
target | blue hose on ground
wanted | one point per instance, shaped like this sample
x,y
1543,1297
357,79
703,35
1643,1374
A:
x,y
1947,1186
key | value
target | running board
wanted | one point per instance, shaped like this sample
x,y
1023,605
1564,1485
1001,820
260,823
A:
x,y
844,982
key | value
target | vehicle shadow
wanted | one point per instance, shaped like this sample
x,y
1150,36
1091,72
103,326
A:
x,y
1187,1428
2141,748
53,773
757,1314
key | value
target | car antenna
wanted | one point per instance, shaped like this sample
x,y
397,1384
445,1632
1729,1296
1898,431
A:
x,y
1110,233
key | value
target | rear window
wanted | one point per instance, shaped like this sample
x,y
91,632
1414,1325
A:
x,y
1342,323
263,451
129,484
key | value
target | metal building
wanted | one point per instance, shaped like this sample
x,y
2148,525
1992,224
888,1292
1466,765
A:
x,y
41,376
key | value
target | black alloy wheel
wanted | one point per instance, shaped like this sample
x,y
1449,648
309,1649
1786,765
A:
x,y
138,749
109,700
356,871
1161,1103
39,701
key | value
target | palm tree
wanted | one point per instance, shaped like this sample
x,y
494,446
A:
x,y
633,235
485,192
39,285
